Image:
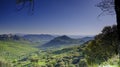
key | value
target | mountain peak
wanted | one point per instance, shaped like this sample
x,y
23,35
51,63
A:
x,y
64,37
61,40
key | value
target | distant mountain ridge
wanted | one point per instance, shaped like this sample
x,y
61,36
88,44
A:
x,y
38,37
85,39
46,40
10,37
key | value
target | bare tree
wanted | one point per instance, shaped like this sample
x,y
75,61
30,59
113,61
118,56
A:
x,y
111,7
107,6
20,4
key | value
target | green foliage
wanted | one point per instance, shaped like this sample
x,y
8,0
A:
x,y
83,63
103,47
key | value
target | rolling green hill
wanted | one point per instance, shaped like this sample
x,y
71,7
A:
x,y
11,51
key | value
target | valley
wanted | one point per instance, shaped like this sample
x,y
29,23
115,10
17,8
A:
x,y
46,50
31,50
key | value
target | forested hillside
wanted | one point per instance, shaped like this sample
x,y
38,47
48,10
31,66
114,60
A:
x,y
104,47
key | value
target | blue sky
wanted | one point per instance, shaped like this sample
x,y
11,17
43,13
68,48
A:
x,y
65,17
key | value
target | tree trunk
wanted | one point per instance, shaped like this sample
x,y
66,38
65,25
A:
x,y
117,10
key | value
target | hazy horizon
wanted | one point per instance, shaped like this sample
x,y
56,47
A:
x,y
46,34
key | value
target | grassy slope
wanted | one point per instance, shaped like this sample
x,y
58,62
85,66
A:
x,y
112,62
12,50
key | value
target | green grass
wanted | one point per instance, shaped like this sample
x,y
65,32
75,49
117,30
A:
x,y
112,62
41,63
12,50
